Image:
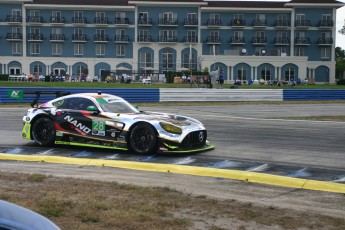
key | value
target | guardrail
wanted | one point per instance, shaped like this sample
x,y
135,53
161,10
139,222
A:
x,y
191,94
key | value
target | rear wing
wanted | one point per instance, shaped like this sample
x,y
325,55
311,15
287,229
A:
x,y
19,94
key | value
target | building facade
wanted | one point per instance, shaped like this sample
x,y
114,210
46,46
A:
x,y
247,40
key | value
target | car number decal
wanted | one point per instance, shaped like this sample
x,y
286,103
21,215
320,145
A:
x,y
98,127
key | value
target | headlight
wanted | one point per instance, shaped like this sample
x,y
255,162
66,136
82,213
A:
x,y
170,128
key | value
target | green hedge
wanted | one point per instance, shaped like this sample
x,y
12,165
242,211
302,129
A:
x,y
4,77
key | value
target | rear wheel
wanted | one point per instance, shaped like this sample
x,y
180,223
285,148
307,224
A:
x,y
143,139
43,131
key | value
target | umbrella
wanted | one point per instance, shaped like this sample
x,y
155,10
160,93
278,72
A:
x,y
122,68
183,69
148,68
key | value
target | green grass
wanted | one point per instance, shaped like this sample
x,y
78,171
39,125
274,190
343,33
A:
x,y
153,85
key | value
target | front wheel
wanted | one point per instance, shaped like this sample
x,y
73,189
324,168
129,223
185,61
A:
x,y
143,139
43,131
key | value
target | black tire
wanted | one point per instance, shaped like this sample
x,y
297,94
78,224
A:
x,y
43,131
143,139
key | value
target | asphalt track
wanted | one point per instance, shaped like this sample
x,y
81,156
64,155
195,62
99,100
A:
x,y
253,144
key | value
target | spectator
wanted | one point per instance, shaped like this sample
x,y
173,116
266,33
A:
x,y
221,79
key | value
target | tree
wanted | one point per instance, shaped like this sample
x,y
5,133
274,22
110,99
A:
x,y
339,54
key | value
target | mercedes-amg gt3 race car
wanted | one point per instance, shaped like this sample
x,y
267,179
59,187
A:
x,y
107,121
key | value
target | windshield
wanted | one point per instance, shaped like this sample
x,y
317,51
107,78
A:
x,y
118,106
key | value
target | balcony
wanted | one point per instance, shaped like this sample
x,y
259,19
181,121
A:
x,y
187,39
167,22
325,41
57,20
81,21
35,37
190,22
171,39
121,21
302,23
121,39
281,41
57,37
13,19
214,23
145,22
237,40
326,24
259,41
35,20
79,38
145,39
302,41
100,38
213,40
281,24
101,21
14,36
238,23
259,23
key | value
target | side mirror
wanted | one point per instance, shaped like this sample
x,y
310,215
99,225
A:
x,y
92,108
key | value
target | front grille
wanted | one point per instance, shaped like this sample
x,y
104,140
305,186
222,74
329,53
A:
x,y
196,138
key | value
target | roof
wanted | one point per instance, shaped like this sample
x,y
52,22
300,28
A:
x,y
246,4
82,2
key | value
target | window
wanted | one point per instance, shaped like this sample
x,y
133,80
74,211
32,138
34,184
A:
x,y
143,35
34,48
16,48
15,70
143,17
238,17
100,14
78,14
191,19
78,49
326,17
34,30
191,36
299,51
282,18
167,59
120,15
281,51
100,49
56,48
189,61
56,14
242,74
167,35
120,50
168,16
260,51
16,13
289,74
325,52
238,34
300,17
38,69
145,60
266,74
56,31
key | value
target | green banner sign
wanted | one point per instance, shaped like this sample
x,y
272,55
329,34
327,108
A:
x,y
16,94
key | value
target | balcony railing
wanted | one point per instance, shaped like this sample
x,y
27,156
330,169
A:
x,y
14,19
121,21
302,23
35,19
14,36
214,22
171,39
35,37
145,22
259,40
326,23
325,41
100,38
281,41
79,38
259,23
237,40
190,22
121,38
302,41
238,23
281,23
213,40
190,39
57,37
79,20
167,22
147,38
101,20
57,20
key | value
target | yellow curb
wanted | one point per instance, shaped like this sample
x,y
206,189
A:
x,y
262,178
